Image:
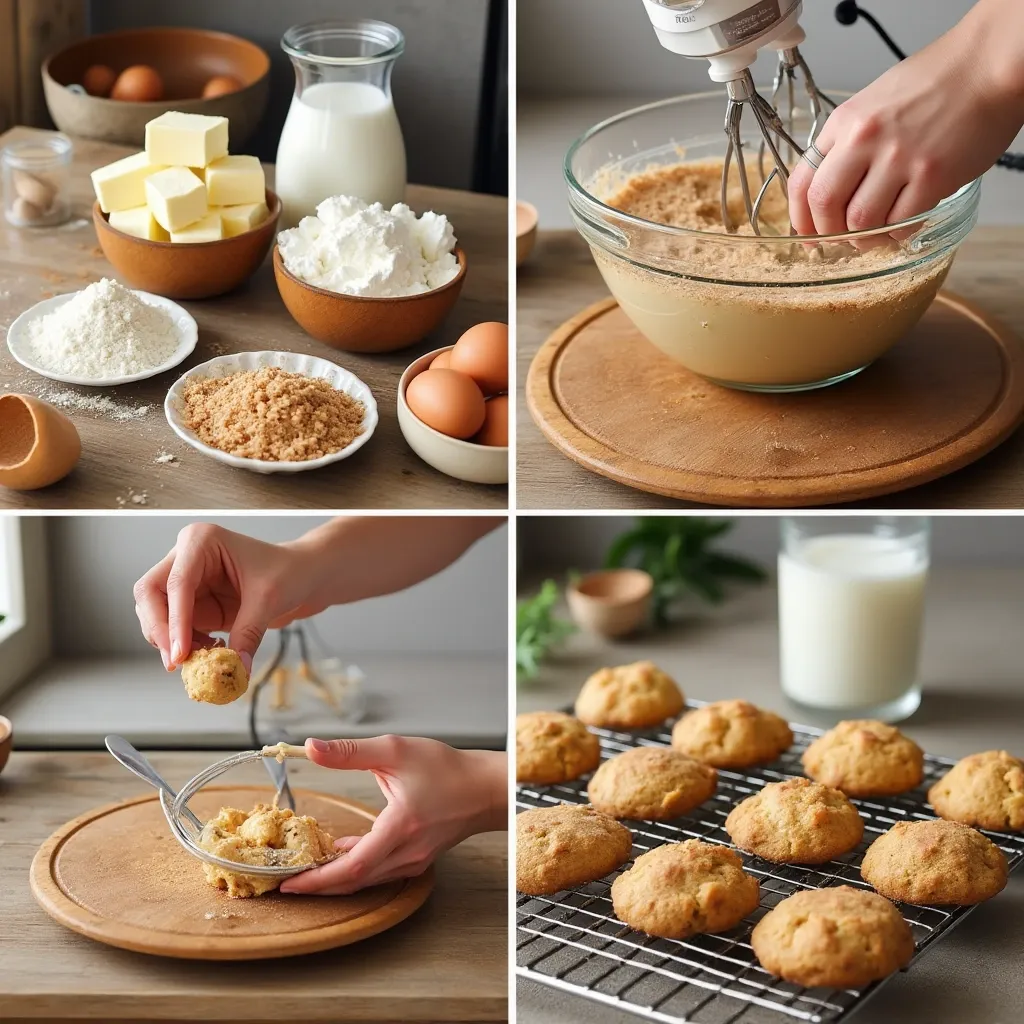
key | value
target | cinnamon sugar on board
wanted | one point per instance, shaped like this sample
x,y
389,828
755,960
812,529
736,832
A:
x,y
272,415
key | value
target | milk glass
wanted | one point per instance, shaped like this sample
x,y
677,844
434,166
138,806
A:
x,y
342,135
851,603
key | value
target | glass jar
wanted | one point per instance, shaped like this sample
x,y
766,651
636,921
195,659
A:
x,y
36,176
851,604
342,135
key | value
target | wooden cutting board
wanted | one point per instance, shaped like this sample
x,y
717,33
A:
x,y
117,875
949,392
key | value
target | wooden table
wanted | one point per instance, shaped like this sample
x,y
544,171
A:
x,y
448,962
118,461
560,279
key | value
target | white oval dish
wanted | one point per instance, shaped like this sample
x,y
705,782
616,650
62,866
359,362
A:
x,y
292,362
18,340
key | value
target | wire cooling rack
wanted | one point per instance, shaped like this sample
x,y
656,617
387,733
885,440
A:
x,y
573,941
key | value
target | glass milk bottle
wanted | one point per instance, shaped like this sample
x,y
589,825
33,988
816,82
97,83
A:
x,y
341,136
851,603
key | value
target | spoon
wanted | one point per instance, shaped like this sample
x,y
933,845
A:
x,y
127,755
278,772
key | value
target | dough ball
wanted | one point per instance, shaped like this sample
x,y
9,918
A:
x,y
214,675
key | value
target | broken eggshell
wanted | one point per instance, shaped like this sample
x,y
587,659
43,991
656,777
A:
x,y
38,444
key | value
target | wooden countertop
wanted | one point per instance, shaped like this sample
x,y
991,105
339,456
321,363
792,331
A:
x,y
560,279
448,962
118,458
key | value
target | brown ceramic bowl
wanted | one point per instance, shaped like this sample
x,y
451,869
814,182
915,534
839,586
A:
x,y
357,323
186,60
187,270
6,737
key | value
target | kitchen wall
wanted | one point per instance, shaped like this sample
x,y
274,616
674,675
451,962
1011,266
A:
x,y
95,560
437,82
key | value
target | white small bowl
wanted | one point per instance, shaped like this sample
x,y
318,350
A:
x,y
19,346
474,463
292,362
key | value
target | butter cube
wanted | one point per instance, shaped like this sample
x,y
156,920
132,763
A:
x,y
239,219
176,198
140,222
192,140
122,184
235,180
207,229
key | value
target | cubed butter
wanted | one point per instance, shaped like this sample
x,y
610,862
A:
x,y
192,140
140,222
176,198
208,229
122,184
239,219
235,181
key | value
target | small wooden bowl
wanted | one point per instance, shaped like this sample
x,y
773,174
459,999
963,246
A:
x,y
359,323
6,740
185,58
188,270
38,444
526,230
612,603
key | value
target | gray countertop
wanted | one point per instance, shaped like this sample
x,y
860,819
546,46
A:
x,y
973,675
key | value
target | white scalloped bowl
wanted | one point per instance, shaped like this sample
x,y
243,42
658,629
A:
x,y
292,362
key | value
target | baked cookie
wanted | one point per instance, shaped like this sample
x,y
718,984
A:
x,y
683,889
552,747
833,938
214,675
863,757
651,783
934,862
795,822
567,845
732,734
985,790
633,696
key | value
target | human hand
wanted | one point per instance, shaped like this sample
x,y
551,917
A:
x,y
436,797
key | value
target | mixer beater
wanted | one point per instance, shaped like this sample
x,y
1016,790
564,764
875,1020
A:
x,y
729,34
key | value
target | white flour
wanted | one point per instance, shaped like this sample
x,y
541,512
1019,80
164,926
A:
x,y
359,249
104,331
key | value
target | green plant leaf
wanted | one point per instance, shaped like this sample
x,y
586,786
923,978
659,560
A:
x,y
538,629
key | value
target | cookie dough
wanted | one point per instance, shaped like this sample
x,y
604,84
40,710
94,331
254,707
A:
x,y
652,784
553,747
214,675
985,790
633,696
265,836
732,734
863,757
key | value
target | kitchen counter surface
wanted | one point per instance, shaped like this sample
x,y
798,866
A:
x,y
118,466
973,700
448,962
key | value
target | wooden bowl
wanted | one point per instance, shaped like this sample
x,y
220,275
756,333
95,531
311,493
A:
x,y
526,230
187,270
359,323
6,740
186,60
38,444
612,603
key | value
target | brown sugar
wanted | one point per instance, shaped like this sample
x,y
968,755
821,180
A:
x,y
272,415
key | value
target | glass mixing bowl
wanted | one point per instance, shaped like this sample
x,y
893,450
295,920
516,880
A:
x,y
763,313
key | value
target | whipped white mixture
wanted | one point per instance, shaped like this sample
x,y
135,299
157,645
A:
x,y
106,330
358,248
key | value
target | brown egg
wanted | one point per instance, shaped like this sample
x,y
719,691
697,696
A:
x,y
220,85
482,352
447,401
138,84
494,432
442,361
98,80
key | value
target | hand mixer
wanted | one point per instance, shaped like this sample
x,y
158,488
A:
x,y
729,34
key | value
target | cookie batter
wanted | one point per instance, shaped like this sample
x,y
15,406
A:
x,y
214,675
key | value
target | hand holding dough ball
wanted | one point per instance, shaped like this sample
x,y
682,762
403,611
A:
x,y
138,84
448,401
220,85
98,80
494,432
214,675
482,353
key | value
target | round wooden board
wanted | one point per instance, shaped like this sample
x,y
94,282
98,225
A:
x,y
949,392
117,875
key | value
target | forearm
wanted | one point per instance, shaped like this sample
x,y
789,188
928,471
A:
x,y
490,768
991,35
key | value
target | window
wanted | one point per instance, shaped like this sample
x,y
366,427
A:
x,y
24,599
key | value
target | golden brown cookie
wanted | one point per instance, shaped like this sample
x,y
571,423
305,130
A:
x,y
985,790
863,757
683,889
934,862
651,783
567,845
833,938
552,747
795,822
633,696
214,675
732,734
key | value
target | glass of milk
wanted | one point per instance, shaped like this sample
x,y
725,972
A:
x,y
851,602
342,135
